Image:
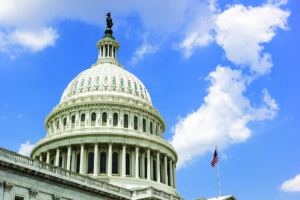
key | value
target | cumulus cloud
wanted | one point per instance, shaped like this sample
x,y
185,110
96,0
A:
x,y
292,185
26,148
144,49
222,119
241,31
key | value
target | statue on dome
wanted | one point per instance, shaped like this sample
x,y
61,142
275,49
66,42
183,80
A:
x,y
109,22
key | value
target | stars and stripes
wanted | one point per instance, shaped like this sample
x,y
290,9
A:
x,y
215,159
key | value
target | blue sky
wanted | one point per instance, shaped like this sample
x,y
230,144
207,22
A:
x,y
221,73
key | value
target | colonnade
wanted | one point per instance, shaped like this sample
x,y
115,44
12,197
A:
x,y
102,159
108,51
105,117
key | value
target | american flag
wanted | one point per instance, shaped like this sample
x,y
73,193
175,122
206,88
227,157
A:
x,y
215,159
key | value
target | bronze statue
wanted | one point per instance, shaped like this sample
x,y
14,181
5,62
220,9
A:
x,y
109,23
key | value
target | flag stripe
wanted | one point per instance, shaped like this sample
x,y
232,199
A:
x,y
215,159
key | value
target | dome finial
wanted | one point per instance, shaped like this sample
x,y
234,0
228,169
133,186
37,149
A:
x,y
108,32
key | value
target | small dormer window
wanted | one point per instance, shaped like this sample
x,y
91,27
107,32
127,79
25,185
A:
x,y
122,83
82,83
114,81
129,85
105,81
89,82
75,86
135,86
97,81
141,90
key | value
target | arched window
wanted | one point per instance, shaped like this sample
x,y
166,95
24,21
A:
x,y
114,81
65,123
115,119
125,121
78,163
145,167
89,82
73,121
122,83
104,119
97,81
105,81
75,86
60,162
154,170
129,85
93,119
115,163
82,120
82,83
127,164
91,163
57,126
103,163
135,123
144,125
151,128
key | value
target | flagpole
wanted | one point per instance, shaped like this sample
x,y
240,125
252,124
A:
x,y
219,177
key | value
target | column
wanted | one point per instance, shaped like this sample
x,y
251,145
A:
x,y
104,53
174,176
148,165
41,157
7,189
166,170
137,161
81,158
124,160
73,161
57,157
48,157
96,160
171,172
109,159
69,157
157,167
116,53
63,160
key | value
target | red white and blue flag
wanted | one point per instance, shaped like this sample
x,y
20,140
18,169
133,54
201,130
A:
x,y
215,159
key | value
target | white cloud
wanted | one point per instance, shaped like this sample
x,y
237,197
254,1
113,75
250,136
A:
x,y
241,31
144,49
26,148
222,120
292,185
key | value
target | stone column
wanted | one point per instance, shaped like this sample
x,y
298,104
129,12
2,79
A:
x,y
124,160
81,158
63,160
96,160
109,170
171,172
48,157
157,167
73,161
104,49
7,188
69,157
57,157
166,170
148,165
137,161
116,55
41,157
174,176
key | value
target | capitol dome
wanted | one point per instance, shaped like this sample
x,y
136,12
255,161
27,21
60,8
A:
x,y
106,127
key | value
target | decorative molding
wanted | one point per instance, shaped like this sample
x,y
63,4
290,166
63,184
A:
x,y
8,187
33,193
56,197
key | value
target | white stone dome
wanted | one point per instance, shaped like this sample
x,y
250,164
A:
x,y
106,80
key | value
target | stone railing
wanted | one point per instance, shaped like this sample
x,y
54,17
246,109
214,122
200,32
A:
x,y
20,159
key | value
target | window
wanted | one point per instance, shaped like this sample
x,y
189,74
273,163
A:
x,y
115,163
168,174
114,81
145,167
156,130
129,85
91,163
154,170
65,123
127,164
73,121
78,163
71,163
104,119
52,162
135,123
93,120
135,86
122,83
57,126
105,81
151,128
89,82
75,86
60,162
19,198
144,125
141,90
103,163
82,83
97,81
115,119
82,120
125,121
